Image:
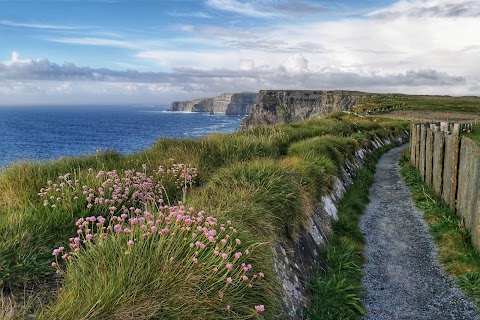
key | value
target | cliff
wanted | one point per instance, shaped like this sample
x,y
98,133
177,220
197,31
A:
x,y
285,106
228,103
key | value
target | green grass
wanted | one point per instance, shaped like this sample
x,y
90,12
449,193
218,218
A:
x,y
455,249
420,103
474,134
337,290
264,179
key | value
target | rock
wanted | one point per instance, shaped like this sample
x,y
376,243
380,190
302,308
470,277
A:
x,y
285,106
227,103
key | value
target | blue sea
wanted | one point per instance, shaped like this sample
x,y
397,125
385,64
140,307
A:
x,y
42,132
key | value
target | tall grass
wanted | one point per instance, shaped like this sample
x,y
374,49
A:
x,y
266,180
337,290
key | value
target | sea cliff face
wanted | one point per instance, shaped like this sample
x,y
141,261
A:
x,y
285,106
228,103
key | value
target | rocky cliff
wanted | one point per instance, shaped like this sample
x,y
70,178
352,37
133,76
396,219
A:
x,y
284,106
228,103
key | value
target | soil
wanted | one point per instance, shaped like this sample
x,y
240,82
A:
x,y
402,276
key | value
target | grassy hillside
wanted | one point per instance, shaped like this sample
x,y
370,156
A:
x,y
404,102
150,256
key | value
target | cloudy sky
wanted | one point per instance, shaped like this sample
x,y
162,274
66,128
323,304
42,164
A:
x,y
156,51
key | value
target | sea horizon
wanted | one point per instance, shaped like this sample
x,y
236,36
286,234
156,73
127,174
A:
x,y
45,132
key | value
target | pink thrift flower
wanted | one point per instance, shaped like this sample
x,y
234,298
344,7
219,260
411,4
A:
x,y
228,307
250,285
54,264
229,266
244,278
238,241
247,252
238,255
220,295
55,252
195,260
130,243
261,275
89,237
224,256
229,280
260,308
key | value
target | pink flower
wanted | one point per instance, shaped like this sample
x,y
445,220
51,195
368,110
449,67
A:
x,y
228,307
247,252
130,243
195,260
55,252
260,308
224,256
238,255
238,241
261,275
244,278
54,264
89,237
229,280
220,295
229,266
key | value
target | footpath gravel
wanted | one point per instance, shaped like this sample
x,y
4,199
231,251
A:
x,y
402,276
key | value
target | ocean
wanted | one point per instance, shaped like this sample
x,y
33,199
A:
x,y
45,132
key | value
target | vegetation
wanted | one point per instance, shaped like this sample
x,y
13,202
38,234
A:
x,y
419,103
337,290
474,134
264,180
455,249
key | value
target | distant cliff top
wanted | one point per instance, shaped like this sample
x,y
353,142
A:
x,y
227,103
285,106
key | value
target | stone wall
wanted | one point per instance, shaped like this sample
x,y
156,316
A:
x,y
450,164
296,261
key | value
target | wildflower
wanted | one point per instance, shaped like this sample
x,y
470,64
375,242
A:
x,y
261,275
238,241
55,252
89,237
195,260
229,280
224,256
54,264
228,307
220,295
244,278
247,252
228,266
130,243
238,255
260,308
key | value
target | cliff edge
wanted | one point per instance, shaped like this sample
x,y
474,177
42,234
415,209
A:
x,y
228,103
285,106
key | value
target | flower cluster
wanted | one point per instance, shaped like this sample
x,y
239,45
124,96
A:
x,y
187,239
113,189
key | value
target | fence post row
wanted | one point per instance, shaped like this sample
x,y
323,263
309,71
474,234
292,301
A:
x,y
451,166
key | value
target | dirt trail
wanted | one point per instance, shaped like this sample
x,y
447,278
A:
x,y
403,279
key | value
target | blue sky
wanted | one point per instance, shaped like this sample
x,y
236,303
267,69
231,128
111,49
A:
x,y
147,51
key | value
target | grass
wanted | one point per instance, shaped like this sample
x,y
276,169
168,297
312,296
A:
x,y
474,134
264,179
419,103
455,249
337,290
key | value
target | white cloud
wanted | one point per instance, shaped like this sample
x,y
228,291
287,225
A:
x,y
104,42
243,8
295,64
35,25
429,8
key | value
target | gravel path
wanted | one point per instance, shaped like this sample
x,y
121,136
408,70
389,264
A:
x,y
403,279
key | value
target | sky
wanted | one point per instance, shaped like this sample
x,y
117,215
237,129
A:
x,y
157,51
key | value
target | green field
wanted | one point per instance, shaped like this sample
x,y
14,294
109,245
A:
x,y
264,180
404,102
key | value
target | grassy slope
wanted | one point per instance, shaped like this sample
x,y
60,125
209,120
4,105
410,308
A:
x,y
242,177
420,103
337,290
